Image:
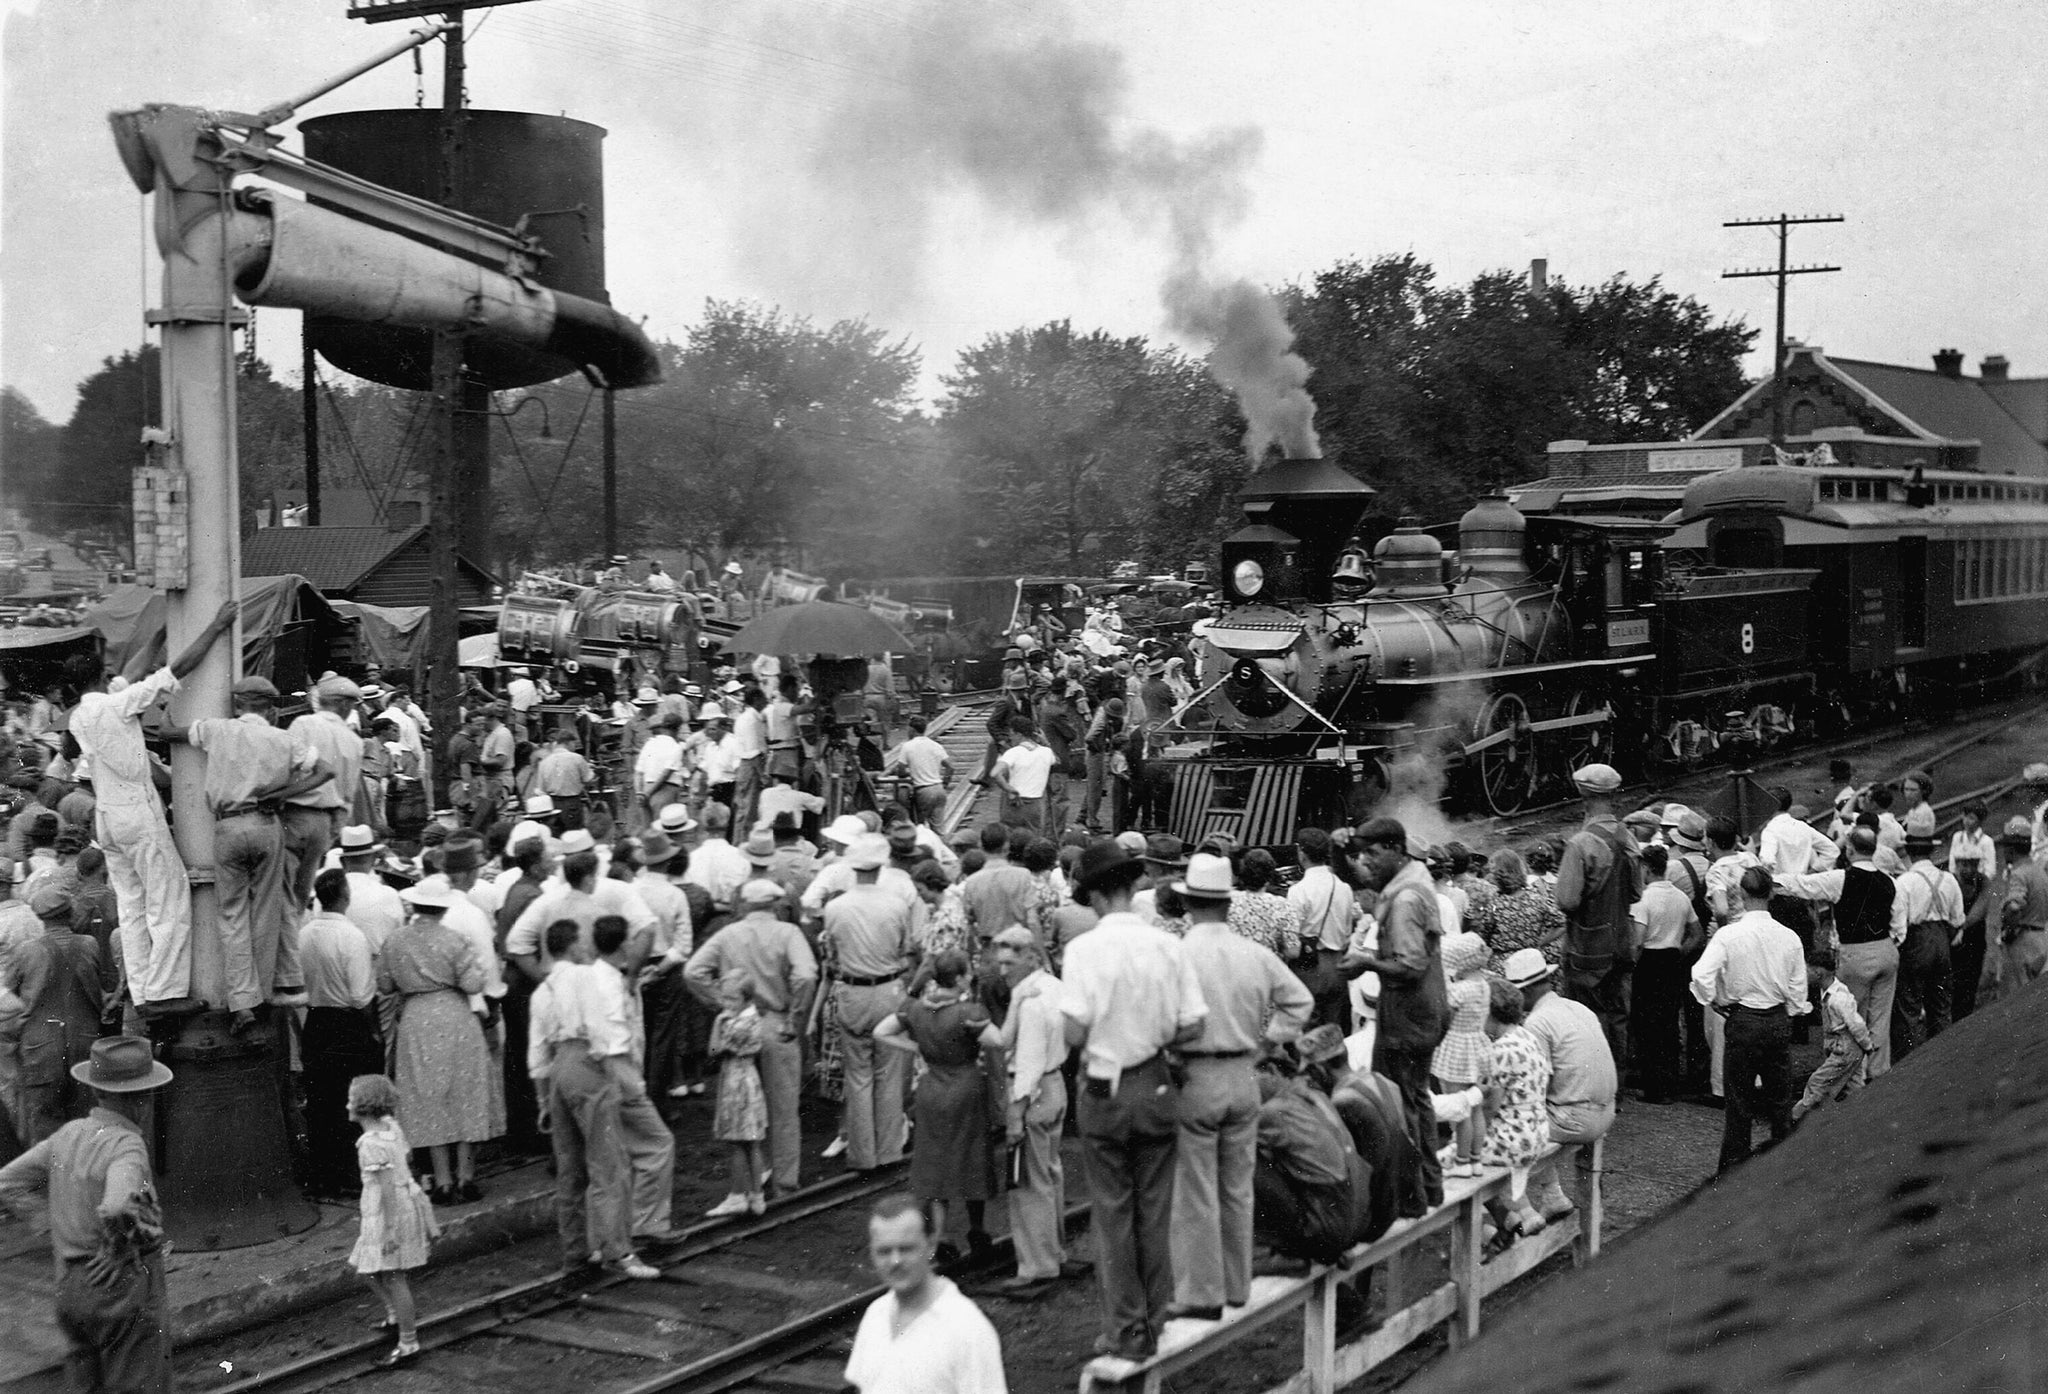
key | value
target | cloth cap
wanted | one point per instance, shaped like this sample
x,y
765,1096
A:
x,y
540,804
334,685
868,852
51,902
1208,878
1597,779
122,1065
1643,818
1526,966
1164,849
357,838
759,891
256,687
1381,832
759,848
675,819
578,840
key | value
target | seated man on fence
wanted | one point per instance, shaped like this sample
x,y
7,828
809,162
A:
x,y
1311,1192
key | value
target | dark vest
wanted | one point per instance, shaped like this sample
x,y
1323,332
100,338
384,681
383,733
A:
x,y
1864,913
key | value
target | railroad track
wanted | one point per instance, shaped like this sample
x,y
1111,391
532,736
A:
x,y
706,1326
1700,784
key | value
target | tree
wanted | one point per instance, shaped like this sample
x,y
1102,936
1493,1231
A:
x,y
1436,395
28,458
102,443
1064,437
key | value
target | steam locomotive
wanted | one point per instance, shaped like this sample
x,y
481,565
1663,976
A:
x,y
1778,602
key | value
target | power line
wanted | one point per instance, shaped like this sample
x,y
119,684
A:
x,y
1783,224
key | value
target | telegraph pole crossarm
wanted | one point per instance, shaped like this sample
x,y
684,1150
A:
x,y
1783,224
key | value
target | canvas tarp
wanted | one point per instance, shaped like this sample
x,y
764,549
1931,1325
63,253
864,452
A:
x,y
394,637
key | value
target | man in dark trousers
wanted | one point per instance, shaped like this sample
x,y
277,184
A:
x,y
339,1039
1754,974
61,979
1128,992
1414,1010
106,1232
1598,879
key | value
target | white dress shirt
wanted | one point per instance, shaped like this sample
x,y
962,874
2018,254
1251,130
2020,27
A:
x,y
1793,848
1034,1037
335,956
1929,893
610,898
720,868
948,1348
1827,885
1328,908
1978,844
374,908
1131,987
1752,961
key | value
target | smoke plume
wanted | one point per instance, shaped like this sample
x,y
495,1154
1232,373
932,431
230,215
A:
x,y
1015,106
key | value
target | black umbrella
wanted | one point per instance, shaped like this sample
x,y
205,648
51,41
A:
x,y
819,626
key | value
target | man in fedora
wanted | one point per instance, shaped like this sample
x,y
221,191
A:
x,y
251,769
662,994
1599,877
1580,1100
106,1232
1254,1001
1414,1010
373,906
1128,993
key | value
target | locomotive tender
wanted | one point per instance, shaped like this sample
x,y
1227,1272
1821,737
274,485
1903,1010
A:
x,y
1777,602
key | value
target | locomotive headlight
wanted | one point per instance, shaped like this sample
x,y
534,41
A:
x,y
1247,576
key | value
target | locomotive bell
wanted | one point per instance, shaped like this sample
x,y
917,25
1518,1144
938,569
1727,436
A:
x,y
1352,566
1313,502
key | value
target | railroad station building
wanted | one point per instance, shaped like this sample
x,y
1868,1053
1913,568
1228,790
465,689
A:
x,y
1841,411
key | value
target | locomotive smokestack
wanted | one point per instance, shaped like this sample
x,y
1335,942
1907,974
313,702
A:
x,y
1314,502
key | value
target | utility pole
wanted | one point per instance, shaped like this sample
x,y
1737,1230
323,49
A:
x,y
444,689
1784,223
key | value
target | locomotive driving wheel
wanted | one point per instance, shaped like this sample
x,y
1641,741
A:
x,y
1581,746
1507,766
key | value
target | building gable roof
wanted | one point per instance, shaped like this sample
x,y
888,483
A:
x,y
1956,408
2025,400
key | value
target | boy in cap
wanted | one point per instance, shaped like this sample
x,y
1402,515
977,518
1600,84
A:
x,y
106,1232
2023,907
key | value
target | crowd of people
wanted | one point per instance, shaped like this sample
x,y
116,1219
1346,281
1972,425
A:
x,y
1264,1063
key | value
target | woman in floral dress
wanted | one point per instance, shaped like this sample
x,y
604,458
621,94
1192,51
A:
x,y
441,1062
1259,915
1518,1126
1523,915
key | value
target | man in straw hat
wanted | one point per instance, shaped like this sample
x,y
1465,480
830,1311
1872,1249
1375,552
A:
x,y
1254,1000
1598,879
143,865
1128,994
106,1232
1583,1077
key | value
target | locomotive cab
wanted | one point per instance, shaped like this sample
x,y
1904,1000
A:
x,y
1607,572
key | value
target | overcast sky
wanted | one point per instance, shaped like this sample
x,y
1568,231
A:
x,y
908,160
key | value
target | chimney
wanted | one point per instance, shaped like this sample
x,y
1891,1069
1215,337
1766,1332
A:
x,y
1539,275
1994,368
1949,363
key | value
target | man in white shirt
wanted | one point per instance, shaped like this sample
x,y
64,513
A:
x,y
373,907
1789,845
1921,1005
658,772
782,796
715,864
922,1336
1870,925
1328,911
338,1040
152,896
650,1146
522,694
312,819
718,757
1667,930
1753,975
1022,772
929,768
662,994
1128,993
413,726
1033,1041
576,1032
750,737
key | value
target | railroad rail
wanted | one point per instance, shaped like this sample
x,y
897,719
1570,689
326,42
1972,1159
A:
x,y
633,1326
